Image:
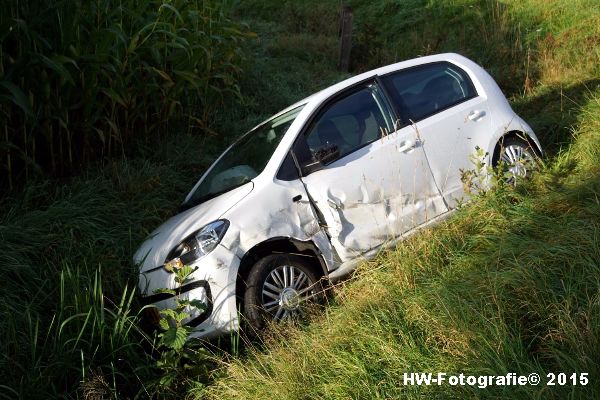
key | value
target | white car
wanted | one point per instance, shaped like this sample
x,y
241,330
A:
x,y
326,183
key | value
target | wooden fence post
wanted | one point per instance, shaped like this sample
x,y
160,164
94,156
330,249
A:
x,y
345,38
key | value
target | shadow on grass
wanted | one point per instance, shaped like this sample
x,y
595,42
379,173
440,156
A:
x,y
553,112
522,286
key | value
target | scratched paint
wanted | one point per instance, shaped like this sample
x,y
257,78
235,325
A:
x,y
348,209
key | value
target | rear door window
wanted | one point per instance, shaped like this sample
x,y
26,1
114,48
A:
x,y
427,89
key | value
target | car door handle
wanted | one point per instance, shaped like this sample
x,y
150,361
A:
x,y
476,115
298,199
408,145
335,204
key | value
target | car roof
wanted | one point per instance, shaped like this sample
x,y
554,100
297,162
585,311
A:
x,y
320,96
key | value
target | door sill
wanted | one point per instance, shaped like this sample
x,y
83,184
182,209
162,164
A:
x,y
347,267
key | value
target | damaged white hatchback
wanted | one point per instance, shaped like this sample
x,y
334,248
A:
x,y
326,183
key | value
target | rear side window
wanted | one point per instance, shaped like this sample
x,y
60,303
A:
x,y
427,89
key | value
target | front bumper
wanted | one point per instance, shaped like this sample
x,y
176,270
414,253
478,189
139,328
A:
x,y
213,282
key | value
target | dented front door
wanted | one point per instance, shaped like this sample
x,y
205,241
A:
x,y
380,185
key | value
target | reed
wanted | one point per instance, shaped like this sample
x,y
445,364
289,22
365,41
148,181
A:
x,y
82,81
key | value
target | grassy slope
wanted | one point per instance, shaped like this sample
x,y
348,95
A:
x,y
61,240
65,254
65,248
509,284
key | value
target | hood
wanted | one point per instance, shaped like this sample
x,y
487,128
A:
x,y
162,240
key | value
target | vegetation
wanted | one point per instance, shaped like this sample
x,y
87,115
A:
x,y
510,283
80,81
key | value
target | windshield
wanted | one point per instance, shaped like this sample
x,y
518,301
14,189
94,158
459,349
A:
x,y
244,160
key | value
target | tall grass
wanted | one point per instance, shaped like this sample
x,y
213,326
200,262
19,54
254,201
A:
x,y
68,313
509,284
80,81
524,44
130,72
84,339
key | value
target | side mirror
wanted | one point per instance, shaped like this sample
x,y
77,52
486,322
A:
x,y
327,154
322,156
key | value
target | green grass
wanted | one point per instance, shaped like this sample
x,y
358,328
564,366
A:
x,y
69,323
510,284
83,82
68,282
66,248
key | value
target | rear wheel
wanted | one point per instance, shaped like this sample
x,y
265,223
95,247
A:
x,y
279,288
516,157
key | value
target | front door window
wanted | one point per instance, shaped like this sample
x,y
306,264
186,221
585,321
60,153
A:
x,y
349,124
378,186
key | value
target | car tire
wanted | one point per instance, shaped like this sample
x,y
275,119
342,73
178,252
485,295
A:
x,y
517,157
278,288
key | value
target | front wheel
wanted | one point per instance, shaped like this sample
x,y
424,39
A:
x,y
279,288
516,157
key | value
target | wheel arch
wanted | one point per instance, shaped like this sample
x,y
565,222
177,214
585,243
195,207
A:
x,y
279,245
514,134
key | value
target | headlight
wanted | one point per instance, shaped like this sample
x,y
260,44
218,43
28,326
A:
x,y
197,245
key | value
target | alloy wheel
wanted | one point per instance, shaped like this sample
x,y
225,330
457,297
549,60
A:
x,y
518,161
284,291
